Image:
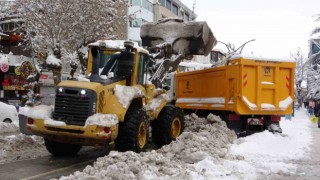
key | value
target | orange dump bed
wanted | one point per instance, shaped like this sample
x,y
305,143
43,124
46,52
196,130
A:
x,y
245,86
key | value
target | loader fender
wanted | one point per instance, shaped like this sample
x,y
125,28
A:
x,y
154,107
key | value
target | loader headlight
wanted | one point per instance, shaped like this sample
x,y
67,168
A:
x,y
83,92
60,90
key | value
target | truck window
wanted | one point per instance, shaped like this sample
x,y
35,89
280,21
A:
x,y
141,68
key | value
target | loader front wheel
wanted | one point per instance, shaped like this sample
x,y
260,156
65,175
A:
x,y
133,132
61,149
168,126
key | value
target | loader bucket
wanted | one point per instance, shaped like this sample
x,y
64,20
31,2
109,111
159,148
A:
x,y
194,38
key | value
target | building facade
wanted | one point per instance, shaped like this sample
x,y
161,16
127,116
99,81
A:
x,y
141,11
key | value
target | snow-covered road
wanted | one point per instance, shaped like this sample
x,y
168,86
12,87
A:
x,y
207,150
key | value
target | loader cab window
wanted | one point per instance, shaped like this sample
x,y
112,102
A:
x,y
142,73
104,58
121,64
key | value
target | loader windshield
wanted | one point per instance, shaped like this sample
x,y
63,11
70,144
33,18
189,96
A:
x,y
104,59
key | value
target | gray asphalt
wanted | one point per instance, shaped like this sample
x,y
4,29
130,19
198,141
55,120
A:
x,y
50,167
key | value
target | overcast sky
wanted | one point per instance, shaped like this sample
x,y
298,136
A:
x,y
279,26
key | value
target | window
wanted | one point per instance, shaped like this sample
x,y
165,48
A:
x,y
186,17
147,5
163,3
175,9
168,4
136,23
135,2
142,73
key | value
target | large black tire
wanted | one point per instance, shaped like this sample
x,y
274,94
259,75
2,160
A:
x,y
168,126
133,132
61,149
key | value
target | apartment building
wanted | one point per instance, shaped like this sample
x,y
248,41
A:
x,y
141,11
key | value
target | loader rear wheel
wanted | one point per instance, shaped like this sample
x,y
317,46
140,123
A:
x,y
133,132
168,126
61,149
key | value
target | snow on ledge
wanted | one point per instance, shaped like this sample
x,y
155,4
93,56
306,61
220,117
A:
x,y
40,112
250,104
268,106
156,102
265,82
105,120
285,103
51,122
125,94
239,56
216,100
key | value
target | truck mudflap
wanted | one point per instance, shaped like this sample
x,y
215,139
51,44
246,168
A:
x,y
90,135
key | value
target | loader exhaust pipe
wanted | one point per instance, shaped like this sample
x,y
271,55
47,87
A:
x,y
95,65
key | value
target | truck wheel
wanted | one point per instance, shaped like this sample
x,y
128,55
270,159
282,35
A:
x,y
168,126
133,132
61,149
7,120
274,127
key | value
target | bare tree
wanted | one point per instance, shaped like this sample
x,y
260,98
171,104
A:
x,y
298,57
59,27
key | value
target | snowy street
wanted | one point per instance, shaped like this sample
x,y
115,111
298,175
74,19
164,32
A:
x,y
207,150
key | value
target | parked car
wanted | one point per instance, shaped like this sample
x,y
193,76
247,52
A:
x,y
8,113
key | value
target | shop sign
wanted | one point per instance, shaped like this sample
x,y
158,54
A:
x,y
46,79
26,69
4,63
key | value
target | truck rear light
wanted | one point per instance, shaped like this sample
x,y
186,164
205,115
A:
x,y
275,118
234,117
106,130
30,121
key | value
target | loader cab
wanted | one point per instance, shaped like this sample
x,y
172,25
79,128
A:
x,y
129,64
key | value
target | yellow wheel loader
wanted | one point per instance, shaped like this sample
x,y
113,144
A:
x,y
116,105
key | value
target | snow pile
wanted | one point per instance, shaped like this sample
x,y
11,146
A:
x,y
106,120
8,112
156,102
268,152
8,127
125,94
40,112
251,57
202,139
18,147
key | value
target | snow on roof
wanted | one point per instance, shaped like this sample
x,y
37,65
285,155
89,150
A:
x,y
251,57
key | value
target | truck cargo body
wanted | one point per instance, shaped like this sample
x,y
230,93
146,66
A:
x,y
249,91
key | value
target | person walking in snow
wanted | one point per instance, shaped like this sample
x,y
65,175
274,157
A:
x,y
312,105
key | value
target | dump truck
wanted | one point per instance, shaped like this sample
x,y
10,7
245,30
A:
x,y
250,94
118,104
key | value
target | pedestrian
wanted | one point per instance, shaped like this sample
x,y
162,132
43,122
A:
x,y
311,107
305,104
